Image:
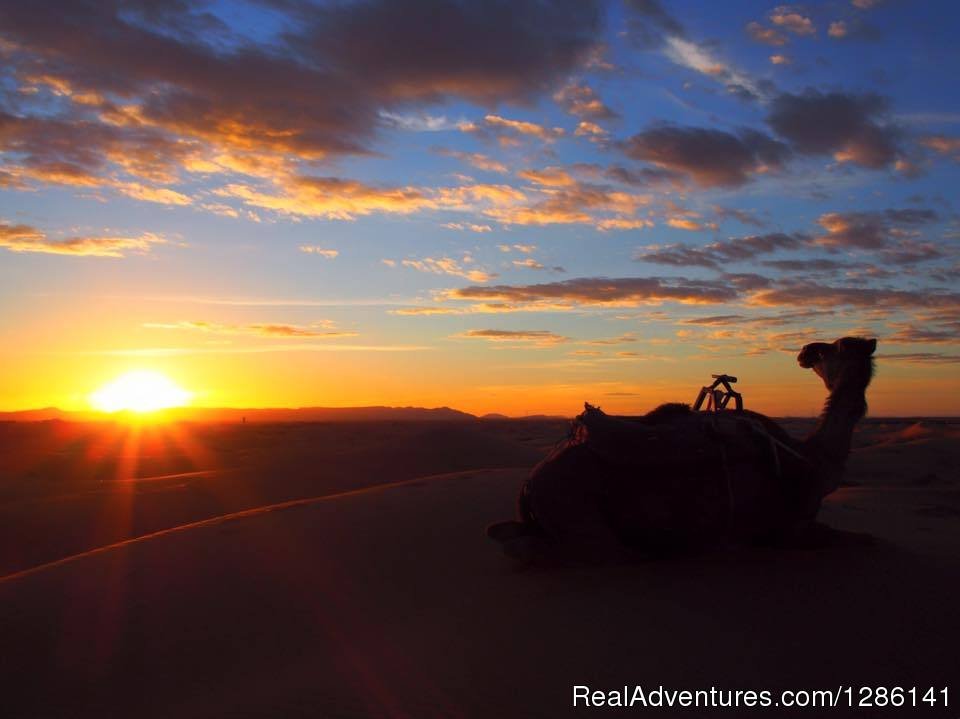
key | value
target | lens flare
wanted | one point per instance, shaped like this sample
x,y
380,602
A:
x,y
139,391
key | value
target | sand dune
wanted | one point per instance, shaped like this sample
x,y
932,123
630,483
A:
x,y
382,601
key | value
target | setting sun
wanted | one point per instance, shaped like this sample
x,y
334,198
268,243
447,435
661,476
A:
x,y
139,391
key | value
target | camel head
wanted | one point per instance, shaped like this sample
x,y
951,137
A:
x,y
839,359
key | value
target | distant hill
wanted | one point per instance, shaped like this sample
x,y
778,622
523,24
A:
x,y
230,414
495,416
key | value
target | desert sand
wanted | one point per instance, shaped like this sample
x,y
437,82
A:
x,y
341,570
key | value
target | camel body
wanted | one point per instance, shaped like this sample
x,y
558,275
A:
x,y
671,479
676,478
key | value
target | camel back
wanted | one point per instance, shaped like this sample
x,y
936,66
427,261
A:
x,y
675,431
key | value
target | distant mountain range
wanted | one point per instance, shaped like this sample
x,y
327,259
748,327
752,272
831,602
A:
x,y
220,414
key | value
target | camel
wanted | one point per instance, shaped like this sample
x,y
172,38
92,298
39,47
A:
x,y
676,478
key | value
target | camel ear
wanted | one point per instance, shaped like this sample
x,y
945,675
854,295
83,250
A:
x,y
872,346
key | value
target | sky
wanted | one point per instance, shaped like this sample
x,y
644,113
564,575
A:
x,y
501,206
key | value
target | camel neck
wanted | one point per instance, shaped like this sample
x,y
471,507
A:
x,y
830,441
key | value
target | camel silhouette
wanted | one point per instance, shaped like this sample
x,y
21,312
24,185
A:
x,y
676,478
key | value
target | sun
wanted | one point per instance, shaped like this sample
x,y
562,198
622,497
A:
x,y
139,391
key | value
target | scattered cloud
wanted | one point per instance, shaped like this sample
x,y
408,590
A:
x,y
24,238
590,130
921,358
625,338
476,159
766,35
696,57
906,333
509,132
742,216
525,249
418,122
712,158
803,293
580,203
450,266
467,227
332,198
869,230
425,311
549,176
716,254
321,251
838,29
541,338
650,24
583,102
263,330
610,291
850,127
792,20
943,145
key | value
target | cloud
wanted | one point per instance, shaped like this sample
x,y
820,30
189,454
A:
x,y
617,291
649,23
911,334
784,318
449,266
716,253
485,52
779,59
333,198
425,311
816,264
943,145
128,88
623,223
766,35
476,159
792,20
590,130
321,251
418,122
802,293
549,176
838,29
263,330
583,102
529,263
922,358
849,126
541,338
644,176
581,203
695,57
509,132
625,338
742,216
525,249
712,158
467,226
685,223
24,238
869,230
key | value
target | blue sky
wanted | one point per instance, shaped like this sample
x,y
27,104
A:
x,y
492,204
